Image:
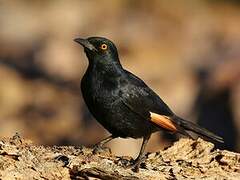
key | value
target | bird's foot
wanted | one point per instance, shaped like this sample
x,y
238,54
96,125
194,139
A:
x,y
97,149
130,163
135,165
124,161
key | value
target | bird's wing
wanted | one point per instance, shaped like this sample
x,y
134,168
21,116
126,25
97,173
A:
x,y
143,101
138,97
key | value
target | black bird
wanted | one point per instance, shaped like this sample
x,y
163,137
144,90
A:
x,y
122,103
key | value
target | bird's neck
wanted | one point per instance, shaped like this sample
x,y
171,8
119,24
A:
x,y
113,69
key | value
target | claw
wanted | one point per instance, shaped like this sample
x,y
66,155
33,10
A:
x,y
135,165
130,164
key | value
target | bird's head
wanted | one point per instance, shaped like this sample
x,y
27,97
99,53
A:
x,y
99,50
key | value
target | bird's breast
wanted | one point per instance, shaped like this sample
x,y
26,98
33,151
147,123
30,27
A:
x,y
99,91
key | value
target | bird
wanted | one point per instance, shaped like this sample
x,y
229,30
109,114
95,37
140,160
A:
x,y
123,103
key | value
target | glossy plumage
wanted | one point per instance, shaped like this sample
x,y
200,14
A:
x,y
122,102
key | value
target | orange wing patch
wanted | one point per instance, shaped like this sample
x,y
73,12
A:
x,y
163,121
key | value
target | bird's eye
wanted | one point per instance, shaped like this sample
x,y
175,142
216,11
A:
x,y
104,47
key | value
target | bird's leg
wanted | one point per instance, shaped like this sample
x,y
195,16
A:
x,y
105,140
99,146
138,160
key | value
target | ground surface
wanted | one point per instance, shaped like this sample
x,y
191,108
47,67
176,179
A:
x,y
21,159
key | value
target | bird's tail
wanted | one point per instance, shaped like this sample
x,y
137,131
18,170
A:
x,y
187,125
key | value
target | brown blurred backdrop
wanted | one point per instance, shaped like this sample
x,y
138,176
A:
x,y
187,51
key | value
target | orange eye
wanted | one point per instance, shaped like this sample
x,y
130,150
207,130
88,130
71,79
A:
x,y
104,47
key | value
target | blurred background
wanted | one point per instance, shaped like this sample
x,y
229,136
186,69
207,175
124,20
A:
x,y
187,51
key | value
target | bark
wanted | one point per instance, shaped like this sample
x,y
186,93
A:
x,y
196,159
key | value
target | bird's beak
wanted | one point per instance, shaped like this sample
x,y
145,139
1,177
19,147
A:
x,y
85,43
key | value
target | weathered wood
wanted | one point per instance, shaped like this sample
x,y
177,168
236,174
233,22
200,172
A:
x,y
187,158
